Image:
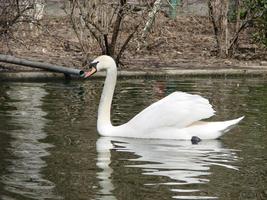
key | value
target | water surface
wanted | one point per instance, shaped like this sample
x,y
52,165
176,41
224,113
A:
x,y
50,149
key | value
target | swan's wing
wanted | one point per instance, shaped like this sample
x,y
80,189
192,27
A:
x,y
178,109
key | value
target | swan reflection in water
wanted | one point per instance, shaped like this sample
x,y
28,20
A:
x,y
24,177
180,162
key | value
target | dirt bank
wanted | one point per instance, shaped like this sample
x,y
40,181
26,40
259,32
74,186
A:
x,y
184,43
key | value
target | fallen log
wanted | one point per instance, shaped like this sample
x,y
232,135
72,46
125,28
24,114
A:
x,y
41,65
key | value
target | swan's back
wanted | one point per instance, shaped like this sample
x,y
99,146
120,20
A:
x,y
178,110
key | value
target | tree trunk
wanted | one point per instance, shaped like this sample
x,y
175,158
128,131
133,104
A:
x,y
218,10
116,28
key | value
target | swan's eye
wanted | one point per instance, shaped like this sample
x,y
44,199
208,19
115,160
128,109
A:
x,y
93,64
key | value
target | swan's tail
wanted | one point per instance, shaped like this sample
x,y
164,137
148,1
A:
x,y
227,125
214,130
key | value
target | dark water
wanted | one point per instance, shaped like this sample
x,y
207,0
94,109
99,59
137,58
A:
x,y
49,147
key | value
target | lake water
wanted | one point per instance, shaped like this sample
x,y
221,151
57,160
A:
x,y
50,149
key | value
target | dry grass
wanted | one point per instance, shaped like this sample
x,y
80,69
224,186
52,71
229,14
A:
x,y
186,41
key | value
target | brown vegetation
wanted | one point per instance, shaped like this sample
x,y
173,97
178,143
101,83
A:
x,y
187,41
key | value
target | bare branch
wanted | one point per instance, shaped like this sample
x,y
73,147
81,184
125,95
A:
x,y
117,25
126,43
151,17
106,44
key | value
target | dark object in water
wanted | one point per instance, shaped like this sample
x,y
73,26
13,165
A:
x,y
195,140
41,65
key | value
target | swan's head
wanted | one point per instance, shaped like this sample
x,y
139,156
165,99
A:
x,y
99,64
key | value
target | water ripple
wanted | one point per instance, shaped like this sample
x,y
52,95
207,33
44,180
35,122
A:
x,y
23,175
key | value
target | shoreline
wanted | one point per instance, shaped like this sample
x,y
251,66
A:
x,y
162,72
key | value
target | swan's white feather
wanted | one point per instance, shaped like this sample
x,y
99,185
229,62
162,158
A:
x,y
178,110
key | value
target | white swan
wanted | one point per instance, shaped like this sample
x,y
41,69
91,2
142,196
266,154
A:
x,y
173,117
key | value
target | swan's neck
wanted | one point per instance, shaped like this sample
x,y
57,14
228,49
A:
x,y
103,120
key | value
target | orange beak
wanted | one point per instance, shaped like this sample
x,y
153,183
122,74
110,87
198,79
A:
x,y
90,73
